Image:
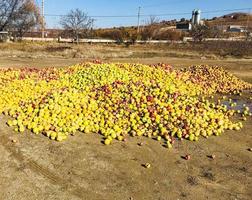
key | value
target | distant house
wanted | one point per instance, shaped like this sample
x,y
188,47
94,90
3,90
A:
x,y
184,26
4,36
236,29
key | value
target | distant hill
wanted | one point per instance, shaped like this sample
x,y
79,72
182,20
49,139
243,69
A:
x,y
237,18
236,15
162,29
167,28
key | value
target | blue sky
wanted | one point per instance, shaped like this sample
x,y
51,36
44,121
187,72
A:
x,y
130,7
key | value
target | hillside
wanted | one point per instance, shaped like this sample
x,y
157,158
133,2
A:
x,y
242,19
161,30
167,28
237,18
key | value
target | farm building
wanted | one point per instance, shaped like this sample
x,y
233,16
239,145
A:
x,y
184,26
236,29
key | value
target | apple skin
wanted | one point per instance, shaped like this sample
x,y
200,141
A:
x,y
117,100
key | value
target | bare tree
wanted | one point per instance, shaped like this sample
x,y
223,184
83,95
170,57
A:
x,y
8,8
149,29
18,15
77,23
201,32
27,17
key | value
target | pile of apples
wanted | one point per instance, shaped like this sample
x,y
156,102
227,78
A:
x,y
117,100
215,79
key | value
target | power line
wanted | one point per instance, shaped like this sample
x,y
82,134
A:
x,y
121,16
147,15
248,18
138,20
162,4
227,10
94,16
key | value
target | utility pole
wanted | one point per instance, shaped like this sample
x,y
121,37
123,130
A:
x,y
43,18
138,22
248,33
247,28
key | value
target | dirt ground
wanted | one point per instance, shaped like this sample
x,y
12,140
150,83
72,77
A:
x,y
240,67
83,168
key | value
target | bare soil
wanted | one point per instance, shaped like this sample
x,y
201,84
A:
x,y
240,67
83,168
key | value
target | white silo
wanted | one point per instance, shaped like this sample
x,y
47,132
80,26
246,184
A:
x,y
193,16
197,17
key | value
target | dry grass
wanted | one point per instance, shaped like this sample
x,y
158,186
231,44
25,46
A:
x,y
87,51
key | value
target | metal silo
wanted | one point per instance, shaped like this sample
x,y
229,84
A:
x,y
197,17
193,16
